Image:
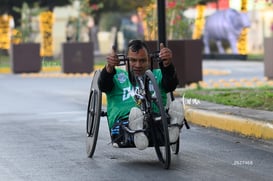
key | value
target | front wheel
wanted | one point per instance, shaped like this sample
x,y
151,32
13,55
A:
x,y
162,147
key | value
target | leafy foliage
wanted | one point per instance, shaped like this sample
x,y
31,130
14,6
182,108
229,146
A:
x,y
122,5
27,32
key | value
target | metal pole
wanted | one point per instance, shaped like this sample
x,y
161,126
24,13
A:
x,y
161,25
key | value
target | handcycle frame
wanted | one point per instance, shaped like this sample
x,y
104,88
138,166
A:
x,y
157,122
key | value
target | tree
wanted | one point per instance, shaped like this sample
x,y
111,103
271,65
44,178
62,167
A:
x,y
122,5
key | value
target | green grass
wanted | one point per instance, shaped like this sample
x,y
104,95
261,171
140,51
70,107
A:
x,y
4,61
259,98
255,57
51,63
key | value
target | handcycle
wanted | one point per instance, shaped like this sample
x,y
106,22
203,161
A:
x,y
156,116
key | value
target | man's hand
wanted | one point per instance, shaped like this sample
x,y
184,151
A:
x,y
166,55
112,61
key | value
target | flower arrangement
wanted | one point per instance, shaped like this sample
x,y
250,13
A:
x,y
5,31
46,28
199,22
242,41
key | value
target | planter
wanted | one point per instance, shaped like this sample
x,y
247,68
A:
x,y
25,58
187,59
77,57
268,61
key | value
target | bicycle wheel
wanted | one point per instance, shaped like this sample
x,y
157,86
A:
x,y
162,149
93,116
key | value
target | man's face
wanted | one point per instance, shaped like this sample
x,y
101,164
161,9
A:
x,y
139,61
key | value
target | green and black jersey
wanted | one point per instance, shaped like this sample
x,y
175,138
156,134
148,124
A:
x,y
120,92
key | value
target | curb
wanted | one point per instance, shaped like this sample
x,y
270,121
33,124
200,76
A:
x,y
230,123
245,126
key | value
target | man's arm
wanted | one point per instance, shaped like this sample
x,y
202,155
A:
x,y
105,82
169,78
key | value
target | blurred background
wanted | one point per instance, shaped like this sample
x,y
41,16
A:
x,y
102,22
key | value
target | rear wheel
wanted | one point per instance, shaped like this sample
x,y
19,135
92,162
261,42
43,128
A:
x,y
93,116
162,147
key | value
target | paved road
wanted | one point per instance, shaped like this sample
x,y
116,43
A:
x,y
42,137
234,69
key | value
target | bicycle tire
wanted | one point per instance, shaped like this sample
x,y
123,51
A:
x,y
93,116
163,152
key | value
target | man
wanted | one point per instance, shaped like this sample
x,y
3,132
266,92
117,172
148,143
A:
x,y
121,104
